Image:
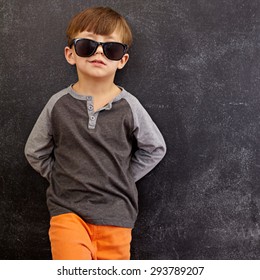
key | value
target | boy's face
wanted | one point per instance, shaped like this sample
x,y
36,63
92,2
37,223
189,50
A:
x,y
96,65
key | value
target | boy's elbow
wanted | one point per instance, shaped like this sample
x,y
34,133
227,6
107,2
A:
x,y
26,152
30,154
160,152
163,149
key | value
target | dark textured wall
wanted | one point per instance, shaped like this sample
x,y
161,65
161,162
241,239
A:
x,y
195,66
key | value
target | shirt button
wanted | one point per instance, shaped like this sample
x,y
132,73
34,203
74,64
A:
x,y
90,107
92,118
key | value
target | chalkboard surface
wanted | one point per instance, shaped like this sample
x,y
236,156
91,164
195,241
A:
x,y
195,66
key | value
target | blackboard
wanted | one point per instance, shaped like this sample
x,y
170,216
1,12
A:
x,y
195,66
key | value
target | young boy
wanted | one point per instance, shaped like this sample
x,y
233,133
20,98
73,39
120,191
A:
x,y
92,142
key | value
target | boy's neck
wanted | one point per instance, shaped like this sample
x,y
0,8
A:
x,y
95,88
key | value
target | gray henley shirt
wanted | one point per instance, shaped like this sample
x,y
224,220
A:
x,y
93,159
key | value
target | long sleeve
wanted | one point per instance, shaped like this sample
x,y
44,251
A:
x,y
39,146
151,146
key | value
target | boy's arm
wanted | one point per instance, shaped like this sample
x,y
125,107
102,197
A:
x,y
151,146
39,147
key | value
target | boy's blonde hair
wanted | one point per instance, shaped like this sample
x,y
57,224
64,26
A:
x,y
101,21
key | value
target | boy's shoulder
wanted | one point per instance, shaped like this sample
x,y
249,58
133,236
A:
x,y
131,99
56,97
135,104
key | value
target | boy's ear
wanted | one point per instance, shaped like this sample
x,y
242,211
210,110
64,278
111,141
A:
x,y
69,55
123,61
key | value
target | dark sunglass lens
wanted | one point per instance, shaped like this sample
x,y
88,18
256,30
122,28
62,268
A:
x,y
85,47
114,51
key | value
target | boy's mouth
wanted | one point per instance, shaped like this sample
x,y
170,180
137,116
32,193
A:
x,y
97,62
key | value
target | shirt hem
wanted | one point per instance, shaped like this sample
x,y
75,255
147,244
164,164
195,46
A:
x,y
98,222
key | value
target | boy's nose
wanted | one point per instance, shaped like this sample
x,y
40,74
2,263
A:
x,y
99,50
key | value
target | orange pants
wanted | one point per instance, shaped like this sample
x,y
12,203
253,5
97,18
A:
x,y
73,239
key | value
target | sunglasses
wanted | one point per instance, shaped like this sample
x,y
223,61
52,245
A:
x,y
86,47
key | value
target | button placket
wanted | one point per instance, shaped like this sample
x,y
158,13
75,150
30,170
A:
x,y
92,115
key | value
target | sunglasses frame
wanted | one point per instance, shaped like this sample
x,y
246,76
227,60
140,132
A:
x,y
103,44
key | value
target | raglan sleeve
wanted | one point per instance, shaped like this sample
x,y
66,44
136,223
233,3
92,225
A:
x,y
39,146
151,147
